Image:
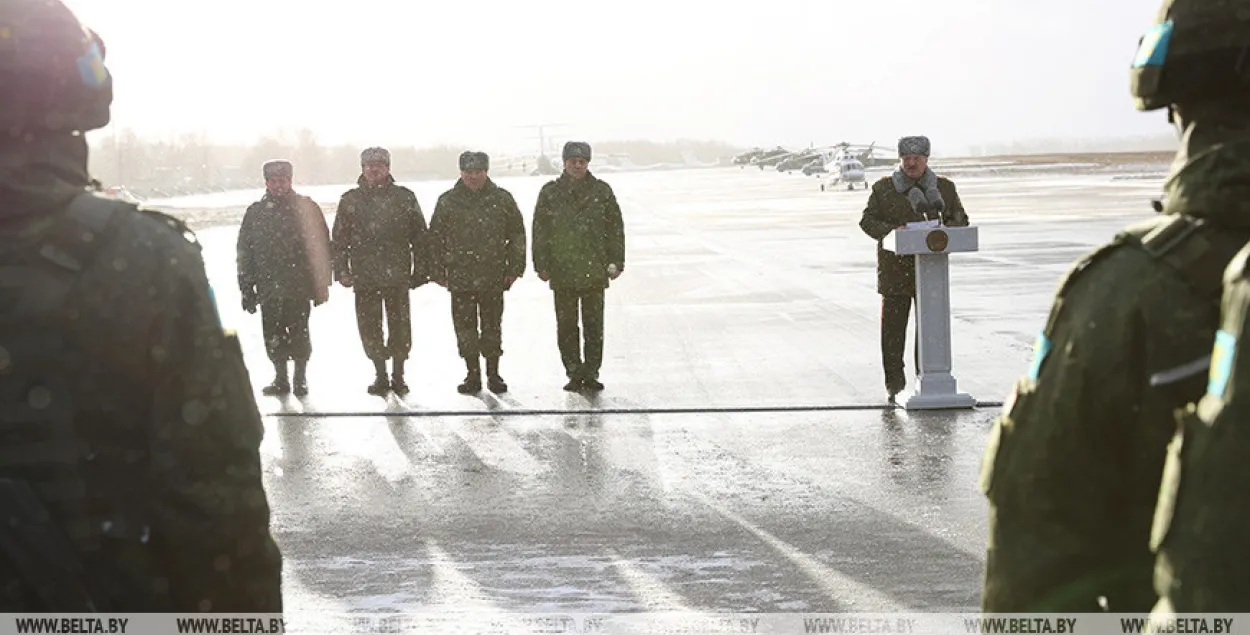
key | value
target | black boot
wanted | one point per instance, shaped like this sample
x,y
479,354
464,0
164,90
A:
x,y
493,380
397,377
281,384
473,379
379,385
299,383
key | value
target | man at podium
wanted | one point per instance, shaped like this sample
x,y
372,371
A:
x,y
912,194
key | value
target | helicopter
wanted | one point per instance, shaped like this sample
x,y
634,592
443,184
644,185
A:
x,y
761,157
850,171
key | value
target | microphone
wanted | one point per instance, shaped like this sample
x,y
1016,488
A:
x,y
918,202
934,197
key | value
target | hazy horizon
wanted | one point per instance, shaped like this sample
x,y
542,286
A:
x,y
964,72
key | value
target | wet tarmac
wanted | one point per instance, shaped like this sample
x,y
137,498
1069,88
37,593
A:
x,y
741,289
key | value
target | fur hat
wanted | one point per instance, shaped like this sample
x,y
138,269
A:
x,y
576,150
278,167
913,145
375,155
470,160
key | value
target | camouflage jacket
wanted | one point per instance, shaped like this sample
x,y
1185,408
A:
x,y
1073,466
578,232
379,237
477,239
140,432
886,210
283,249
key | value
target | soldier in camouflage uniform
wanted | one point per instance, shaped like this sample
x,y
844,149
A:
x,y
477,249
579,247
380,252
284,268
130,475
1191,63
1074,464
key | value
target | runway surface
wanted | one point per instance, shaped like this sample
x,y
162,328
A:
x,y
741,289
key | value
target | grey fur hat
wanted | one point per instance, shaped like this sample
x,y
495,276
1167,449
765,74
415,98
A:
x,y
278,167
375,155
576,150
913,145
470,160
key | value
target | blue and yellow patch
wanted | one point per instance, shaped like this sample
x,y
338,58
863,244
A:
x,y
1040,350
1153,49
91,67
1221,363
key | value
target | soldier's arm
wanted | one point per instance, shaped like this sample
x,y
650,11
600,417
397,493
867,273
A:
x,y
318,237
1051,471
436,242
872,221
341,238
210,513
244,258
954,213
541,230
516,240
615,232
417,231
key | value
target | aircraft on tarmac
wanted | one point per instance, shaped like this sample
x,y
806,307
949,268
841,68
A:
x,y
761,157
849,172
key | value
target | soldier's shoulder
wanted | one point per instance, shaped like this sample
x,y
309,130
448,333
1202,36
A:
x,y
257,205
604,185
166,228
945,180
96,212
403,190
151,242
1119,265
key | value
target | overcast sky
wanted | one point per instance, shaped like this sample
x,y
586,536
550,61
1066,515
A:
x,y
750,72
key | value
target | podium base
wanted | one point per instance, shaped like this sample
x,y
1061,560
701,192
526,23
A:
x,y
937,391
931,401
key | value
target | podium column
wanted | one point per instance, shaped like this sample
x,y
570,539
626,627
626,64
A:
x,y
936,387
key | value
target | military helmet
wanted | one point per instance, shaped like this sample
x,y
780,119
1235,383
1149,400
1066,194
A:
x,y
52,73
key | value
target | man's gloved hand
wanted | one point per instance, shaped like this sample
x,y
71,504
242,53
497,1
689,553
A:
x,y
508,281
544,276
250,302
322,295
417,280
347,280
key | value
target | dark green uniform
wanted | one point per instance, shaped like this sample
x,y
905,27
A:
x,y
130,475
477,243
283,261
888,209
1072,469
578,232
1204,501
379,245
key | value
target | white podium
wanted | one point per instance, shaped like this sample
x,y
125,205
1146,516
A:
x,y
935,386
